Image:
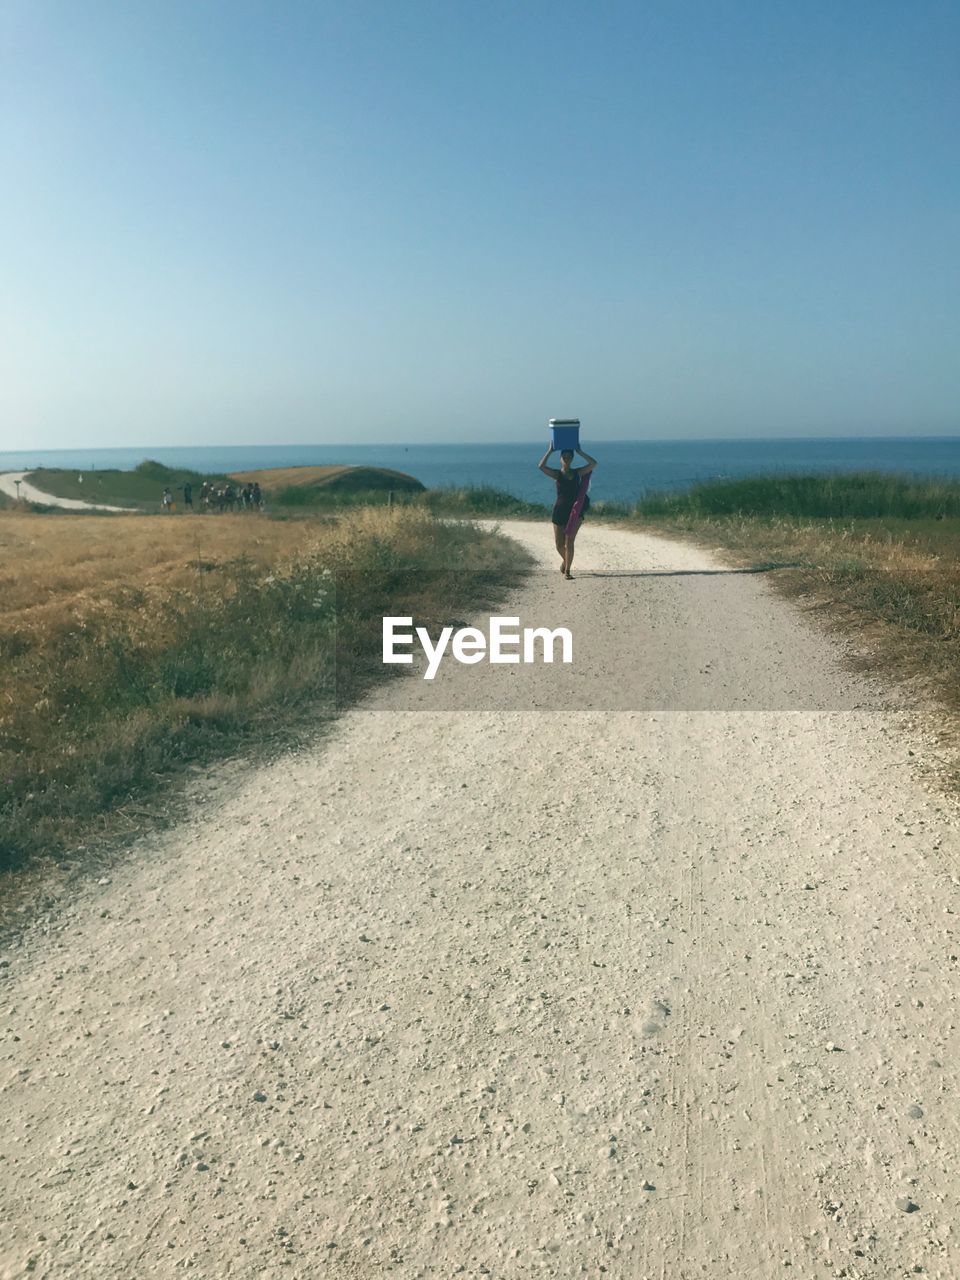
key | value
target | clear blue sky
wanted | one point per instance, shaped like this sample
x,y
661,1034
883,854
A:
x,y
271,222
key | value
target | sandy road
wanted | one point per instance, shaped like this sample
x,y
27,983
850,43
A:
x,y
644,968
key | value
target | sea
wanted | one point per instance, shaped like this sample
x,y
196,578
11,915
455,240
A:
x,y
628,469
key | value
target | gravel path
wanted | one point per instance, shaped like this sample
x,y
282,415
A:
x,y
643,968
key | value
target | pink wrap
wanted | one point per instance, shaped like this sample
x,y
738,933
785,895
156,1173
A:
x,y
577,509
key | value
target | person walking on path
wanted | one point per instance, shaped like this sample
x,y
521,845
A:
x,y
572,501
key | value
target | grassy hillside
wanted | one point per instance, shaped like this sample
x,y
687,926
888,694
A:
x,y
325,488
294,487
140,488
331,479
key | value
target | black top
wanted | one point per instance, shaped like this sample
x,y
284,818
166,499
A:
x,y
567,485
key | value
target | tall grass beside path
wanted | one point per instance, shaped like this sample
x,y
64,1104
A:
x,y
877,555
110,681
863,495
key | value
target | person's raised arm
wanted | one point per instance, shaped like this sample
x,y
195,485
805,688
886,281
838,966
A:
x,y
591,462
552,472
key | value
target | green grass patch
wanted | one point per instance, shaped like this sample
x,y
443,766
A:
x,y
858,495
471,501
479,500
142,487
329,498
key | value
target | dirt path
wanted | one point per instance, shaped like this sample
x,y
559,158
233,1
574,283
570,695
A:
x,y
659,982
30,493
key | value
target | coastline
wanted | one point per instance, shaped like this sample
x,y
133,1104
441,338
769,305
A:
x,y
632,468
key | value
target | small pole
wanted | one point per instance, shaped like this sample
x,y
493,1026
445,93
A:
x,y
18,483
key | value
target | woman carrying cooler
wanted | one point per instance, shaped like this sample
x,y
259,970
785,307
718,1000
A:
x,y
572,501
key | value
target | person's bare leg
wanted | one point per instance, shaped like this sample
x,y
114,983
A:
x,y
558,538
568,557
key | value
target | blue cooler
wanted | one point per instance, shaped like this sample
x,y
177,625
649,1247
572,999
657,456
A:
x,y
565,433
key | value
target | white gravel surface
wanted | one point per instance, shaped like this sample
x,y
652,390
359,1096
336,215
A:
x,y
542,983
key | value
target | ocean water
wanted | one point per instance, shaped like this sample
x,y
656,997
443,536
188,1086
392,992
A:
x,y
627,468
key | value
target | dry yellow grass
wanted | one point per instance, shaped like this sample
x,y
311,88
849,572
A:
x,y
286,477
52,564
275,479
129,645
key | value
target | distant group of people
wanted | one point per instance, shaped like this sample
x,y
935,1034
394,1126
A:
x,y
219,498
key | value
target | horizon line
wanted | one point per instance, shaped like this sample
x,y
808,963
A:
x,y
420,444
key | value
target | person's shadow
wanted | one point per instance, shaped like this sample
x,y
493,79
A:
x,y
682,573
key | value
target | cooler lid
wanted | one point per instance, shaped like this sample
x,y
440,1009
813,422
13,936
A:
x,y
564,422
